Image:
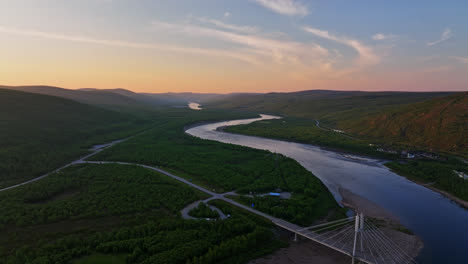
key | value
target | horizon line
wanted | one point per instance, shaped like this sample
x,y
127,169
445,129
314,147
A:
x,y
297,91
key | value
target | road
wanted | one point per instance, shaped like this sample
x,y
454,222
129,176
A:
x,y
95,150
298,230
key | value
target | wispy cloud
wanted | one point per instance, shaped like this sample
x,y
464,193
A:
x,y
367,55
130,44
281,51
232,27
380,36
227,14
446,35
285,7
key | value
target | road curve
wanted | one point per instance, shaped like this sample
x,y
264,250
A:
x,y
95,150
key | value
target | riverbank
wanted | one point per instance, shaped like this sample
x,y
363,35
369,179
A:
x,y
411,202
388,222
355,156
447,195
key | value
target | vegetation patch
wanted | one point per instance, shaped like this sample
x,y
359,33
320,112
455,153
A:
x,y
123,213
306,131
203,211
440,175
101,259
40,133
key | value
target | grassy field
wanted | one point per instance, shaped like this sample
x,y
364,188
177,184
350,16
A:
x,y
39,133
90,213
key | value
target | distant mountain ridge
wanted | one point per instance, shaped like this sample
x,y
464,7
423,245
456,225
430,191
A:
x,y
87,96
115,97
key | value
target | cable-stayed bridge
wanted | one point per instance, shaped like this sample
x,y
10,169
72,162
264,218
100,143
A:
x,y
357,237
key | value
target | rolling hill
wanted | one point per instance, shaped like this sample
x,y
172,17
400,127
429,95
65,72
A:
x,y
429,120
87,96
115,98
440,124
329,106
39,132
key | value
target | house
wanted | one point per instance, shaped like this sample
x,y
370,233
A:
x,y
461,174
410,155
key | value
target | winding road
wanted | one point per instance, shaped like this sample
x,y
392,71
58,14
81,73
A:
x,y
298,230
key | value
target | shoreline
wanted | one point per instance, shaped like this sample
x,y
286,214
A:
x,y
451,197
304,251
460,202
391,225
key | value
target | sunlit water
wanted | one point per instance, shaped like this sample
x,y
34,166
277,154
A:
x,y
442,224
194,106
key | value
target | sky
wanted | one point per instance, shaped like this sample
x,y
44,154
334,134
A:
x,y
223,46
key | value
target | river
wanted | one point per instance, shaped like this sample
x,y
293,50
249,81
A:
x,y
439,222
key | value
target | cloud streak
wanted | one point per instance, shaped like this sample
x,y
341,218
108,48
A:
x,y
130,44
367,55
221,24
380,36
446,35
280,51
284,7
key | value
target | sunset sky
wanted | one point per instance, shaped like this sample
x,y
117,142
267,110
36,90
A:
x,y
235,45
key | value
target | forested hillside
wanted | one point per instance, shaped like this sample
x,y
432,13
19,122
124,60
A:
x,y
440,124
39,133
436,121
329,106
87,96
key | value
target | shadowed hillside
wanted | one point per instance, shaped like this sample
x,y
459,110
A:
x,y
87,96
117,98
39,133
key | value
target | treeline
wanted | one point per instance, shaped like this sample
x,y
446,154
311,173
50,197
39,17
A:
x,y
162,240
441,175
227,167
40,133
93,191
305,131
121,210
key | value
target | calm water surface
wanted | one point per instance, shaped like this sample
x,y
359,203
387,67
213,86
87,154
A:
x,y
442,224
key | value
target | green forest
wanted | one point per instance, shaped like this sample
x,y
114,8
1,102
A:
x,y
124,212
304,130
203,211
40,133
440,175
238,168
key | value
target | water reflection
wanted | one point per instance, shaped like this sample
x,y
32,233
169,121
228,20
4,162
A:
x,y
442,224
